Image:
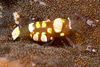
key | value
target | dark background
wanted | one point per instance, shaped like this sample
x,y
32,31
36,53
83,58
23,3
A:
x,y
26,53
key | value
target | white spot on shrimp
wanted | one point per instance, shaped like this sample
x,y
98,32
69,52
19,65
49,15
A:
x,y
43,37
36,36
57,25
31,27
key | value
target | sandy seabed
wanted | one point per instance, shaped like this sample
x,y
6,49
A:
x,y
26,53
